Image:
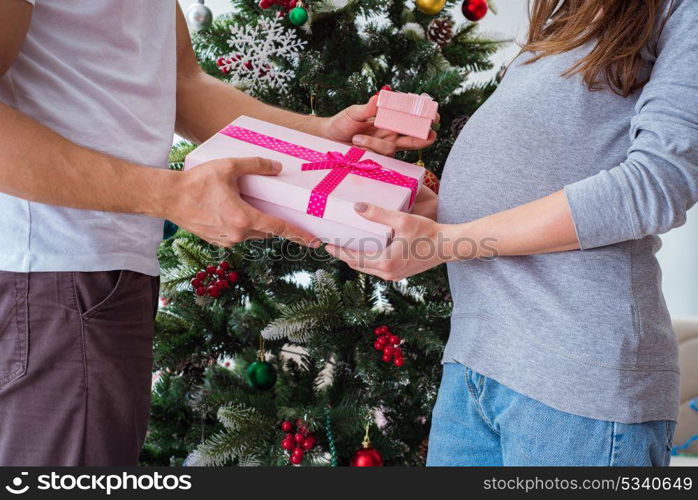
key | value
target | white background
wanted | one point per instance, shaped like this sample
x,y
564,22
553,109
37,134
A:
x,y
678,256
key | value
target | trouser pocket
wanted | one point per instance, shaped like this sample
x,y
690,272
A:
x,y
14,332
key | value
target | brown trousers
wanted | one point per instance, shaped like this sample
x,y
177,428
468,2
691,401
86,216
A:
x,y
75,367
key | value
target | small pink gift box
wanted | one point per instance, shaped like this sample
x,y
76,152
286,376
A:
x,y
407,114
320,182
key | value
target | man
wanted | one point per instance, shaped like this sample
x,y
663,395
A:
x,y
90,95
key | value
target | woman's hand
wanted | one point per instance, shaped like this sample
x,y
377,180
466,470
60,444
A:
x,y
419,243
355,125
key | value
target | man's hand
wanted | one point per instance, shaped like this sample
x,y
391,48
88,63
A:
x,y
355,125
208,204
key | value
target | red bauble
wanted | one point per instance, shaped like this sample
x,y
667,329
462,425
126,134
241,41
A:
x,y
309,443
367,457
286,426
474,10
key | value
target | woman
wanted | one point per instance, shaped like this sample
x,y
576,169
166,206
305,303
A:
x,y
561,350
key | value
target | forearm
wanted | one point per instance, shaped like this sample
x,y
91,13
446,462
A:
x,y
541,226
205,105
39,165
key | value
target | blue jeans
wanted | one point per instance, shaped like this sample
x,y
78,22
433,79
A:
x,y
478,421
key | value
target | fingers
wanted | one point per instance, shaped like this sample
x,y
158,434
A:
x,y
392,218
377,264
269,225
382,146
363,112
406,142
389,144
259,166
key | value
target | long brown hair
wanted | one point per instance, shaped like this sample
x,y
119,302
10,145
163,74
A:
x,y
618,28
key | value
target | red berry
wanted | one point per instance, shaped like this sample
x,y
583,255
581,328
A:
x,y
397,352
309,442
213,291
299,437
388,350
394,339
201,275
233,276
222,284
196,283
211,269
387,358
378,345
201,291
381,330
220,273
296,459
287,426
288,444
398,362
298,451
224,265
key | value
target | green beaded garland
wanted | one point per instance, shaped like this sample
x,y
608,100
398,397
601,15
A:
x,y
261,375
298,16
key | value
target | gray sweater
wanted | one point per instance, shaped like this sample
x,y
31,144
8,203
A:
x,y
586,332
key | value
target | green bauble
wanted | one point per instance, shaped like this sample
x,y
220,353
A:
x,y
261,375
298,16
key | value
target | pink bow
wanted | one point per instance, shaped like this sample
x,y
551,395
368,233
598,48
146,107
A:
x,y
340,165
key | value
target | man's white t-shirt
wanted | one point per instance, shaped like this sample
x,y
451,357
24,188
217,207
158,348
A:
x,y
102,73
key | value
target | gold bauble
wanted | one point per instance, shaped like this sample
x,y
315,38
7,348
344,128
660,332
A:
x,y
430,7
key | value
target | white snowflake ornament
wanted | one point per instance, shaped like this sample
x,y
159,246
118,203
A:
x,y
253,50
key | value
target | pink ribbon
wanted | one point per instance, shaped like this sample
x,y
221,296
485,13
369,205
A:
x,y
339,166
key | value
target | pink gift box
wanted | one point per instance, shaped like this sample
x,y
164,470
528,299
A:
x,y
407,114
293,193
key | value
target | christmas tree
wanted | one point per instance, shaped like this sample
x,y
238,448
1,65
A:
x,y
268,353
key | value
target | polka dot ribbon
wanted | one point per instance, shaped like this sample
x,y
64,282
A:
x,y
339,166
